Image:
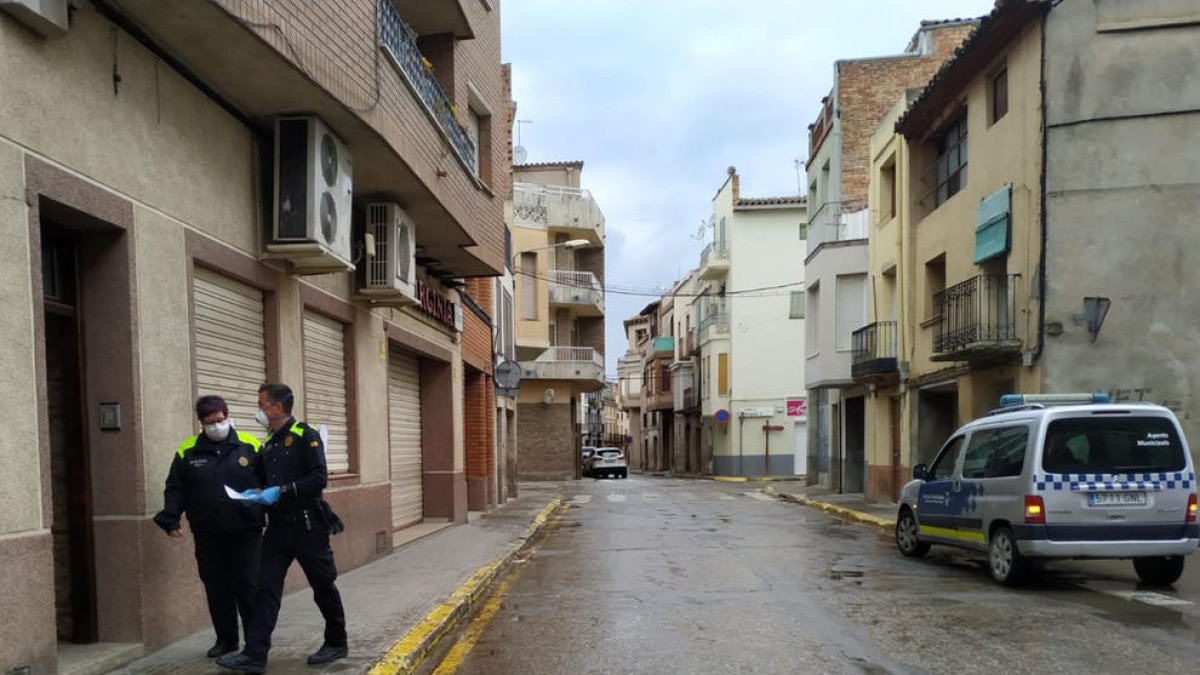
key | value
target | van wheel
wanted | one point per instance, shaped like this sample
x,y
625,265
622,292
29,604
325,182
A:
x,y
906,536
1159,571
1007,565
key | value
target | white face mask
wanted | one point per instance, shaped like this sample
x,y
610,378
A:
x,y
217,431
261,418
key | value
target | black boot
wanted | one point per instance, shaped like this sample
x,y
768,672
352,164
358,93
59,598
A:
x,y
221,648
327,654
243,663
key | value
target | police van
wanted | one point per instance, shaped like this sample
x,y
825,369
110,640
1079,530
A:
x,y
1058,477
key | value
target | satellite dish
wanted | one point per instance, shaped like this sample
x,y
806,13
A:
x,y
520,155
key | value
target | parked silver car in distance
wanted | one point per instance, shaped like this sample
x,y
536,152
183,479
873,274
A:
x,y
609,462
1059,477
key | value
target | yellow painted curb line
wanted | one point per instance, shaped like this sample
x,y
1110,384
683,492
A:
x,y
729,479
408,653
886,524
747,479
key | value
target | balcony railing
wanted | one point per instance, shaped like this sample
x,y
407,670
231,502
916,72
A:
x,y
714,324
570,287
565,363
976,318
558,207
400,42
714,259
873,354
837,221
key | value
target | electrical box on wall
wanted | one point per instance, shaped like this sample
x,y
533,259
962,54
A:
x,y
48,18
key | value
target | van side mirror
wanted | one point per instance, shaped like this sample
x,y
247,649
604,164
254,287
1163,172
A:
x,y
919,472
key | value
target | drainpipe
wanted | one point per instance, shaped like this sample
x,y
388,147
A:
x,y
1041,329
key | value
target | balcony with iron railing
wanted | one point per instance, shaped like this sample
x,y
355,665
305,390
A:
x,y
714,325
572,211
400,44
873,353
580,291
566,363
837,221
683,384
714,260
976,320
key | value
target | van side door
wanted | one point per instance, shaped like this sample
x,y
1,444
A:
x,y
934,516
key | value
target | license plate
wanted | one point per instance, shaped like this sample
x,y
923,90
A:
x,y
1117,499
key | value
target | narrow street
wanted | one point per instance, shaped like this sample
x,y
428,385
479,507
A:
x,y
651,575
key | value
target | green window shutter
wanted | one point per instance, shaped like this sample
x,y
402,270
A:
x,y
797,309
992,225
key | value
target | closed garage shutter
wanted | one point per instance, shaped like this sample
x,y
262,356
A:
x,y
404,421
325,386
231,349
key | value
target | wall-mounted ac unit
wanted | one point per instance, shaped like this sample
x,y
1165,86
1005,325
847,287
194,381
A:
x,y
313,189
389,271
49,18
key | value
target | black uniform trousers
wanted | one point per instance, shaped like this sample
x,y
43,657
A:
x,y
228,566
283,543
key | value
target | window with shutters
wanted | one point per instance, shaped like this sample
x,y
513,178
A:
x,y
797,308
325,386
851,307
722,374
811,323
529,287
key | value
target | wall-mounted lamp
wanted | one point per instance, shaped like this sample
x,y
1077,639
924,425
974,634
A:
x,y
1094,311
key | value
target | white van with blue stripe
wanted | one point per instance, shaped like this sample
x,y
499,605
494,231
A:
x,y
1059,477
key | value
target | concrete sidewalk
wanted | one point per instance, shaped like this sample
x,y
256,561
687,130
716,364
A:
x,y
414,593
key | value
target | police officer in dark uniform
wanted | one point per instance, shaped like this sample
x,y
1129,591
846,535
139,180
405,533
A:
x,y
298,529
227,534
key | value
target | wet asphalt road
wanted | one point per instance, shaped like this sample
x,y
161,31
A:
x,y
652,575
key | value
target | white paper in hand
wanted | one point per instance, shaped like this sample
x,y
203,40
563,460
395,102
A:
x,y
234,494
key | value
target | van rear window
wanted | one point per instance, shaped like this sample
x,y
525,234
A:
x,y
1113,445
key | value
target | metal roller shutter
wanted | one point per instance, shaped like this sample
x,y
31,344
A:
x,y
404,417
231,347
325,386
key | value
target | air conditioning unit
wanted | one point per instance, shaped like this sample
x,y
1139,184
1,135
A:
x,y
313,190
389,272
48,18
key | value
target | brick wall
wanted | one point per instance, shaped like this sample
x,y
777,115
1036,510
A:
x,y
547,442
868,89
479,437
591,333
477,335
334,43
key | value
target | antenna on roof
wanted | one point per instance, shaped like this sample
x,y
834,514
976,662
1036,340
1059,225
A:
x,y
520,155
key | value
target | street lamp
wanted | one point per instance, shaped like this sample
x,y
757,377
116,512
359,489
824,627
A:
x,y
571,244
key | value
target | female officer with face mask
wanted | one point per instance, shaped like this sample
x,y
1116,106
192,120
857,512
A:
x,y
227,533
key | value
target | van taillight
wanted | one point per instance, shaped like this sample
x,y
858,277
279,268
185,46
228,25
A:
x,y
1191,509
1035,511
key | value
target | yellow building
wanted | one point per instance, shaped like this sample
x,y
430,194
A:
x,y
558,258
954,249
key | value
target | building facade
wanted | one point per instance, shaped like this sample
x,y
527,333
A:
x,y
1003,273
750,318
142,151
836,260
558,258
629,388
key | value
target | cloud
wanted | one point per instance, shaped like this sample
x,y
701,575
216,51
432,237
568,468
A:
x,y
660,97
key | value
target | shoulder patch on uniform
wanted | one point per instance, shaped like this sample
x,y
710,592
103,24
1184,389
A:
x,y
297,428
250,440
187,444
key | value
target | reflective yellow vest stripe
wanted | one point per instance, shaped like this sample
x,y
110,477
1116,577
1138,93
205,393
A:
x,y
297,429
250,441
187,444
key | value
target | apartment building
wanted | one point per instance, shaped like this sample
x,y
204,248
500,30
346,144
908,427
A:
x,y
687,457
629,387
835,262
157,162
558,258
1001,278
749,309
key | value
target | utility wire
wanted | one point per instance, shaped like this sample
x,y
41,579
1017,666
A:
x,y
760,292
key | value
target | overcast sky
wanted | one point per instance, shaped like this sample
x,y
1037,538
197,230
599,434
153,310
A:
x,y
659,97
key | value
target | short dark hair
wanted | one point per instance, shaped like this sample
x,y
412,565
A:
x,y
278,393
207,405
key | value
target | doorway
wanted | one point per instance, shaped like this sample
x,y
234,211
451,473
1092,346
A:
x,y
70,470
897,463
856,445
800,435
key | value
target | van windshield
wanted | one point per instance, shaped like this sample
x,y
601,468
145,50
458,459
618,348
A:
x,y
1113,445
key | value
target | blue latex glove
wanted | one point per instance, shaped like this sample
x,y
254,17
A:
x,y
268,496
251,495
